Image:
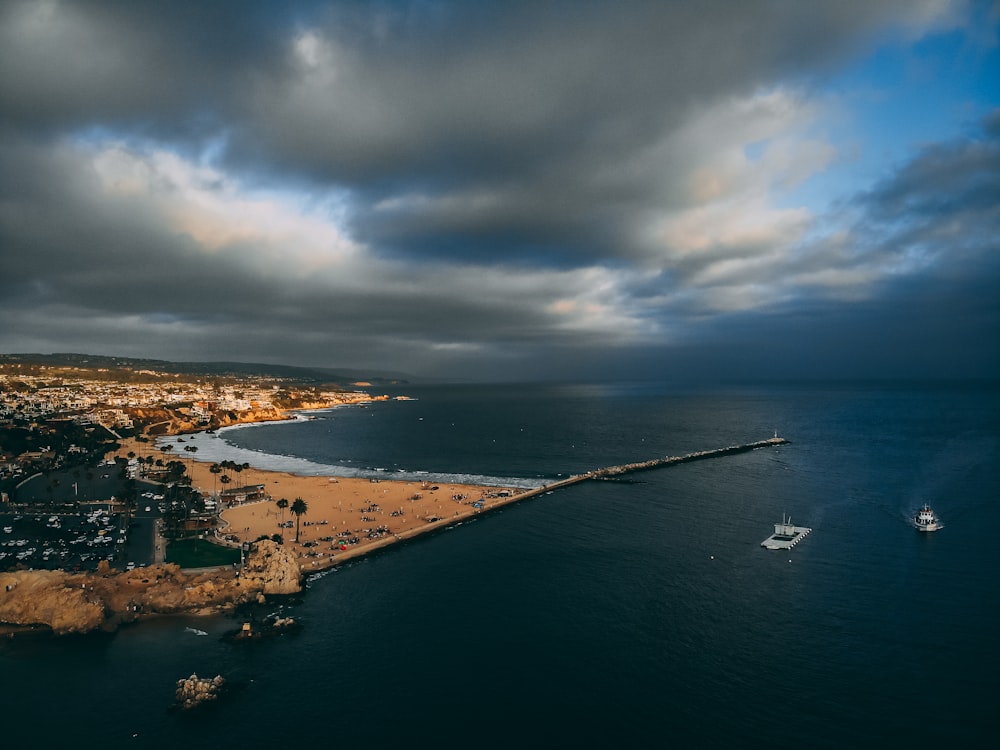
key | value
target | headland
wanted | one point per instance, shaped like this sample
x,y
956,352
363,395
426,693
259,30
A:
x,y
348,517
343,519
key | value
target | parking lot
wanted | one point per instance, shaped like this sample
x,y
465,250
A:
x,y
79,535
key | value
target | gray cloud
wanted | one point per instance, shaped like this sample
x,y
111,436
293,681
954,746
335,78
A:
x,y
496,190
534,129
936,221
155,68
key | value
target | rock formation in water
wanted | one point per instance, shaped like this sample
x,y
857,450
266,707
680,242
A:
x,y
81,602
196,691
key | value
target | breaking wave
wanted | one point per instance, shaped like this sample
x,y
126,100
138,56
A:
x,y
213,448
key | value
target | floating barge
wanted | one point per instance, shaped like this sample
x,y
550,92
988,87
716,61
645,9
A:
x,y
785,535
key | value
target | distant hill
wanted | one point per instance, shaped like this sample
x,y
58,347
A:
x,y
305,375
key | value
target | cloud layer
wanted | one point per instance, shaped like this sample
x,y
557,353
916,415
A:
x,y
483,190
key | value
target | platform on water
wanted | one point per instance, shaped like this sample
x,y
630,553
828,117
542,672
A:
x,y
785,535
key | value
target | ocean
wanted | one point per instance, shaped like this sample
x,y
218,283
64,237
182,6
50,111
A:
x,y
633,613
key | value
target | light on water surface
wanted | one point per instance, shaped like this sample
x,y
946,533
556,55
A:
x,y
609,610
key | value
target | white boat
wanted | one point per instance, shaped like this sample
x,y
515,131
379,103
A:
x,y
926,520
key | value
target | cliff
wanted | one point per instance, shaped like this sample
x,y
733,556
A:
x,y
165,421
176,420
82,602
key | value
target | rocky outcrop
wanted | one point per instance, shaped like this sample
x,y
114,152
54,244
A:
x,y
81,602
269,628
196,691
272,569
48,597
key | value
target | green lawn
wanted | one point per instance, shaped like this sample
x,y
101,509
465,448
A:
x,y
197,553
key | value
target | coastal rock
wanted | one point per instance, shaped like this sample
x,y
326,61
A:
x,y
269,628
46,597
271,569
82,602
195,691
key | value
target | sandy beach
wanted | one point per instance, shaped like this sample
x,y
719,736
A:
x,y
346,517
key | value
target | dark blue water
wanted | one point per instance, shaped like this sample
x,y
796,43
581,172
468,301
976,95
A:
x,y
636,613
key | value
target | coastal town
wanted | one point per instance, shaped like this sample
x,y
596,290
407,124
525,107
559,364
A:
x,y
54,416
67,503
107,514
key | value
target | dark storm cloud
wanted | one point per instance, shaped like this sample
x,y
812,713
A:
x,y
537,127
497,174
546,117
155,67
79,266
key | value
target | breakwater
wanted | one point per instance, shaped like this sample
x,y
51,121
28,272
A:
x,y
655,463
501,500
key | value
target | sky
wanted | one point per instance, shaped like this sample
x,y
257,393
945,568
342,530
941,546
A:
x,y
506,191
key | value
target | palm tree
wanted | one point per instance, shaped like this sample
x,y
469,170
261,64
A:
x,y
282,504
224,468
192,449
130,496
216,470
299,508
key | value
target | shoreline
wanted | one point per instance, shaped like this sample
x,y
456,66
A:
x,y
347,517
304,467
